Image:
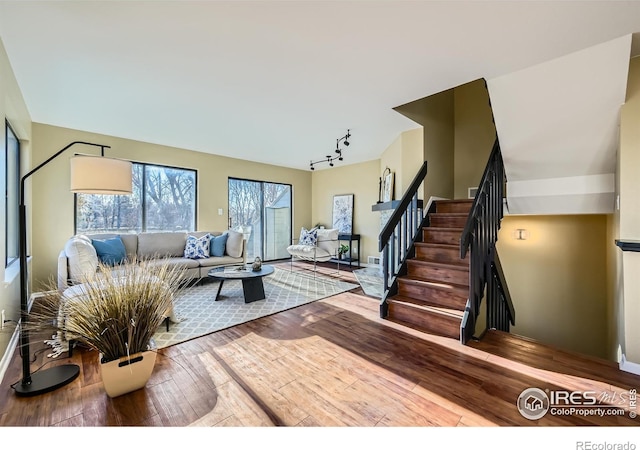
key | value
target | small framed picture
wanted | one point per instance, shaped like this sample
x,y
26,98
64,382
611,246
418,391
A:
x,y
387,191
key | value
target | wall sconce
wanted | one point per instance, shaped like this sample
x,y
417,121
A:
x,y
520,234
338,156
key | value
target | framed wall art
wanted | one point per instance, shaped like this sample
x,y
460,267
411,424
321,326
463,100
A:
x,y
343,213
387,187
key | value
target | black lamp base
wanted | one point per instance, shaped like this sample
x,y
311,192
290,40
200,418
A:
x,y
48,380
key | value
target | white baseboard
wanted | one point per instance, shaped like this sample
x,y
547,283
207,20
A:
x,y
8,354
629,366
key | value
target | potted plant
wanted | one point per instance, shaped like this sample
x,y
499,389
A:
x,y
342,251
116,314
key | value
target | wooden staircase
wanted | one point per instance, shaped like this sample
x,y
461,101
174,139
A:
x,y
433,294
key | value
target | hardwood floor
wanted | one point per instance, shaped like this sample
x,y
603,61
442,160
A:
x,y
330,363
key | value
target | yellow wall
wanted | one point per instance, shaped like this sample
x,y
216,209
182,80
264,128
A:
x,y
438,129
458,134
391,159
412,159
629,227
52,206
403,157
474,135
615,317
14,109
361,180
558,280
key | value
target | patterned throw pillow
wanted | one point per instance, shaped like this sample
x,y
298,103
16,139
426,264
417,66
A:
x,y
308,237
197,248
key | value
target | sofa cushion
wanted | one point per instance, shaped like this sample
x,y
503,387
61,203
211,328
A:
x,y
197,247
219,261
161,244
182,263
234,243
82,258
110,251
328,240
218,245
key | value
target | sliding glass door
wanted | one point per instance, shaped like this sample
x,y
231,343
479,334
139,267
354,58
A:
x,y
262,212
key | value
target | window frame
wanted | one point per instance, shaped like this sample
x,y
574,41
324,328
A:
x,y
9,202
262,183
143,198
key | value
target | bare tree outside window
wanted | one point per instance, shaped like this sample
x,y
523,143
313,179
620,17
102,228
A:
x,y
168,203
170,195
251,211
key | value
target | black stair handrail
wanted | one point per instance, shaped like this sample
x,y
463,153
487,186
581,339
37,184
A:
x,y
477,200
479,237
500,311
395,218
397,238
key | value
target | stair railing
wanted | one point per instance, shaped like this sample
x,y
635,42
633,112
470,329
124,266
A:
x,y
500,310
479,238
397,238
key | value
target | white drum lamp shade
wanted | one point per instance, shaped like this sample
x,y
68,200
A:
x,y
100,175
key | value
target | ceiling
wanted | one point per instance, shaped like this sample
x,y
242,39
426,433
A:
x,y
558,126
277,82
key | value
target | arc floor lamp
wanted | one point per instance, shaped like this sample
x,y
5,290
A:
x,y
89,174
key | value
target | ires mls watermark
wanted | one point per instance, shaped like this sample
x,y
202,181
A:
x,y
534,403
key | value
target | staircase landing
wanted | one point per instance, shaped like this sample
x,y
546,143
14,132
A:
x,y
555,362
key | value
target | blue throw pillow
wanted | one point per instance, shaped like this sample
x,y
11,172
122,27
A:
x,y
197,248
218,245
110,251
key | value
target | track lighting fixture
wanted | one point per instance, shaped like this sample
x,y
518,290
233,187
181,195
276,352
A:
x,y
338,152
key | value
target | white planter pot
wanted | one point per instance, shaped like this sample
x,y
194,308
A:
x,y
128,373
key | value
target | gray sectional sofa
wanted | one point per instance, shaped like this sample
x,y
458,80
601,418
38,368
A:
x,y
79,258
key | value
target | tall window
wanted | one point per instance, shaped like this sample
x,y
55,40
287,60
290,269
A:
x,y
262,212
163,199
12,193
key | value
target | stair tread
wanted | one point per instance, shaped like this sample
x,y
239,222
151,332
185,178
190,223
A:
x,y
464,265
453,313
437,245
462,289
443,229
449,247
454,214
459,200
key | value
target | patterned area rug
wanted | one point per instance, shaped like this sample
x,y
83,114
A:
x,y
199,314
371,280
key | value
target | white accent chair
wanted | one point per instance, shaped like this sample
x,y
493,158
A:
x,y
324,249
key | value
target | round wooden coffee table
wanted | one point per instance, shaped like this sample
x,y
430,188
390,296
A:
x,y
252,285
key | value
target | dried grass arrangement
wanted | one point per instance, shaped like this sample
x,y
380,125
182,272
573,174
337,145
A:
x,y
115,312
